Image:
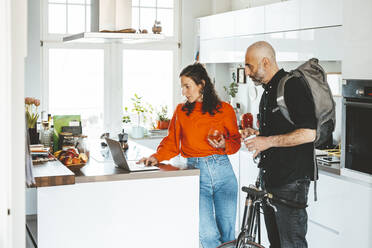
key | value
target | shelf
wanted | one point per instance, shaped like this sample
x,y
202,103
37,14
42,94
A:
x,y
103,37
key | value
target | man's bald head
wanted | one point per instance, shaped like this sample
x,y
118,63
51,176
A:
x,y
260,50
260,62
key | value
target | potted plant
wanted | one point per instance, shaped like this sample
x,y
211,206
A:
x,y
31,107
232,89
162,119
139,108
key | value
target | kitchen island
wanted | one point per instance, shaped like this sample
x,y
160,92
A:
x,y
109,207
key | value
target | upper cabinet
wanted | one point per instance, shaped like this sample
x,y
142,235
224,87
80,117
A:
x,y
217,26
282,16
357,39
320,13
297,29
221,50
250,21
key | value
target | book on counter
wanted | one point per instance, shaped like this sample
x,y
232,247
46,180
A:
x,y
158,133
39,150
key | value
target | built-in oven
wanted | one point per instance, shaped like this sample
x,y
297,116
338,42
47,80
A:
x,y
356,143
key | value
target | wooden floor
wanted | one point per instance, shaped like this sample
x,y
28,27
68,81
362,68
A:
x,y
31,222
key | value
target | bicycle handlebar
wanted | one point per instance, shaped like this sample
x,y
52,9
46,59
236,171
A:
x,y
254,192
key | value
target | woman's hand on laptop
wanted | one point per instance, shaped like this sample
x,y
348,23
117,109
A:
x,y
150,161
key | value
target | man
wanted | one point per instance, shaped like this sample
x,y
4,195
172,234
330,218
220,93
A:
x,y
286,149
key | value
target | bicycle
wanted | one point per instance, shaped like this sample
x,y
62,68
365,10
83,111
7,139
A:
x,y
251,224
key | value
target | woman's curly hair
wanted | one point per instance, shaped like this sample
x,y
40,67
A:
x,y
211,103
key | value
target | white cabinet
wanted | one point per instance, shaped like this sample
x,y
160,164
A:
x,y
297,29
217,50
286,45
250,21
234,160
322,43
217,26
320,236
320,13
357,23
242,43
248,175
282,16
342,215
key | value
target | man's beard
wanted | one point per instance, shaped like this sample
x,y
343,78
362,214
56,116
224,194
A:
x,y
258,76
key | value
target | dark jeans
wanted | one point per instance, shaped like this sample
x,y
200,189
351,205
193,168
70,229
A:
x,y
287,227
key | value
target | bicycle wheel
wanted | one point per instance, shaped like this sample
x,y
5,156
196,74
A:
x,y
248,244
231,244
242,242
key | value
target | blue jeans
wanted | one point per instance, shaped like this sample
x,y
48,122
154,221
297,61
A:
x,y
287,227
218,199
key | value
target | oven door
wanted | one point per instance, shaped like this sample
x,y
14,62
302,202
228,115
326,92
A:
x,y
357,135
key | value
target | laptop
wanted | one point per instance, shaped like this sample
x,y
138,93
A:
x,y
120,160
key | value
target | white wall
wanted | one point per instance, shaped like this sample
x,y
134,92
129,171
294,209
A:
x,y
33,81
17,133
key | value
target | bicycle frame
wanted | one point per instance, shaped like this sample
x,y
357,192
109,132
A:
x,y
251,224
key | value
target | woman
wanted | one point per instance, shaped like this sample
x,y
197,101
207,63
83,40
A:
x,y
204,130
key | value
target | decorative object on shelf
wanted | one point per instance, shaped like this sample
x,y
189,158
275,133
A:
x,y
232,90
156,29
241,75
162,119
31,106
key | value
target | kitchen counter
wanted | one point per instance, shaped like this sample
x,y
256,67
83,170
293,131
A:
x,y
110,207
99,169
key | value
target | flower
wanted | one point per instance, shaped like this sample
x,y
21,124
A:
x,y
31,112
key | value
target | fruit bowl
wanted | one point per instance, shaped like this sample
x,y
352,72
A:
x,y
76,167
72,159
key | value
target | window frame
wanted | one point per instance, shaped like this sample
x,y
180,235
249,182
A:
x,y
46,36
113,78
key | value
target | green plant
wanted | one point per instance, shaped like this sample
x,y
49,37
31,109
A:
x,y
233,88
162,115
31,106
139,108
126,117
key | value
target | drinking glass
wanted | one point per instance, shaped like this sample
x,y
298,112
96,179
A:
x,y
214,134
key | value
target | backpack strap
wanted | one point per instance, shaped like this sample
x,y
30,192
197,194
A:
x,y
280,96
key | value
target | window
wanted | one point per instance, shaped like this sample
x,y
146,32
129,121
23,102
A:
x,y
145,12
87,79
68,16
149,74
76,82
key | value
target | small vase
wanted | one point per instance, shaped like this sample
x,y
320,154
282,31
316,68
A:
x,y
138,132
34,136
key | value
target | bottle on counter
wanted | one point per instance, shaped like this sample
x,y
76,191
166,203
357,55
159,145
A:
x,y
238,113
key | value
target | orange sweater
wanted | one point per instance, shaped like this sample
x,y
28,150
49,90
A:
x,y
188,134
